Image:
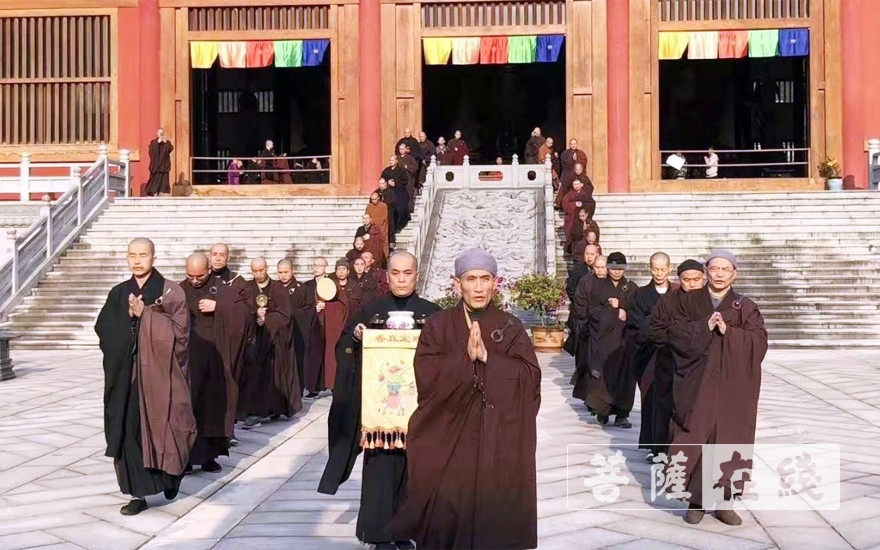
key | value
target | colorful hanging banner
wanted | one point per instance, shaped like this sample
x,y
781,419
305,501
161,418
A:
x,y
466,51
794,42
733,44
522,49
437,50
673,44
763,43
288,53
233,55
548,48
314,51
703,45
203,54
493,50
260,54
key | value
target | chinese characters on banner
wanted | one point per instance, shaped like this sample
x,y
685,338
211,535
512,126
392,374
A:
x,y
759,477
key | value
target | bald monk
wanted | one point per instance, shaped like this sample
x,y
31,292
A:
x,y
641,349
718,342
615,388
149,426
570,158
386,195
691,276
219,257
398,179
582,225
533,146
471,443
288,280
218,319
269,385
384,471
456,150
410,142
572,203
308,312
580,310
372,235
378,212
567,183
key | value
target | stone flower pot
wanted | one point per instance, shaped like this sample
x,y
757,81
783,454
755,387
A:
x,y
834,184
548,340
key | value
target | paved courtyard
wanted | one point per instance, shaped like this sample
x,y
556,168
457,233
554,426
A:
x,y
58,491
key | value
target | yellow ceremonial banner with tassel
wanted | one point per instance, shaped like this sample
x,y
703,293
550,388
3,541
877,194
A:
x,y
388,387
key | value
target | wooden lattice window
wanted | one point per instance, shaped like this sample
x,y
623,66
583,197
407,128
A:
x,y
721,10
252,18
493,14
55,80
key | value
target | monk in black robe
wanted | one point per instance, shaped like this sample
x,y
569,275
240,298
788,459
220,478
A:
x,y
149,427
269,384
290,284
409,142
427,150
643,350
579,316
214,390
691,276
718,342
614,390
570,158
369,287
160,165
471,477
533,145
308,311
398,179
384,470
219,258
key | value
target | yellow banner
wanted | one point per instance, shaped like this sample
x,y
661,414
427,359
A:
x,y
388,387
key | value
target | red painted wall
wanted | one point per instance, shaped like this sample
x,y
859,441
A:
x,y
131,89
618,97
860,20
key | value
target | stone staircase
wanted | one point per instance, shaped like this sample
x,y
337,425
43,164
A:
x,y
811,261
61,312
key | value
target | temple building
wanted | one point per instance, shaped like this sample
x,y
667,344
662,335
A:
x,y
772,86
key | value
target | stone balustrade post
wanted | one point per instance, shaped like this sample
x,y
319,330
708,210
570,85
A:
x,y
24,190
125,159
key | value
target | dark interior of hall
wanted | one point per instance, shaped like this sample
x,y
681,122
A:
x,y
495,106
737,104
234,112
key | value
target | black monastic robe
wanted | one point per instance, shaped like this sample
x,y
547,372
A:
x,y
471,476
160,168
384,471
311,330
580,315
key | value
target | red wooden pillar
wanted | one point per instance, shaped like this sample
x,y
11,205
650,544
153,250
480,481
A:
x,y
370,92
861,78
148,86
618,96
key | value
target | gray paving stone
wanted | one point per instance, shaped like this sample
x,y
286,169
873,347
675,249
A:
x,y
100,536
28,540
818,538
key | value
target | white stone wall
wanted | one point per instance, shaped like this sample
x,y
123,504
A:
x,y
502,222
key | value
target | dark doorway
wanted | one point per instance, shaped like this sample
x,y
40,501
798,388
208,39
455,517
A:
x,y
737,104
234,112
495,106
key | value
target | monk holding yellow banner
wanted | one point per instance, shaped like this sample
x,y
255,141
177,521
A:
x,y
389,387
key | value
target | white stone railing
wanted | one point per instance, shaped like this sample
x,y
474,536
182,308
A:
x,y
467,176
25,183
61,223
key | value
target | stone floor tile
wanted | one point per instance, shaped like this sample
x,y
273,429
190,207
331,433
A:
x,y
253,530
149,522
28,540
863,533
171,544
42,522
583,539
207,521
322,516
814,538
642,544
286,543
100,536
687,535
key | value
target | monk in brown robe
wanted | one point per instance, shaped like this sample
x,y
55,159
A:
x,y
572,203
336,314
217,319
570,158
357,248
308,312
471,443
290,284
219,258
372,235
580,227
160,166
718,341
641,349
614,391
269,385
456,150
376,272
369,287
567,182
149,426
378,212
386,195
580,310
691,276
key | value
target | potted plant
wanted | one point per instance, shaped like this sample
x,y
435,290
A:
x,y
541,294
830,170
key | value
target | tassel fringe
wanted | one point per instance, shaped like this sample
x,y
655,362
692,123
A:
x,y
383,439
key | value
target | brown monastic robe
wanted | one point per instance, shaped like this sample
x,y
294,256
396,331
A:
x,y
160,168
568,159
456,150
335,316
615,388
577,233
149,426
567,184
374,243
379,214
471,445
571,204
533,146
270,385
661,320
580,310
234,327
717,377
310,325
387,197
